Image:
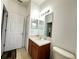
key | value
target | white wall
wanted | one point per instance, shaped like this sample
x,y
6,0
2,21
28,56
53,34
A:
x,y
1,11
27,24
14,7
64,23
15,11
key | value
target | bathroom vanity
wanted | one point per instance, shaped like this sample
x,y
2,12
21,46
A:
x,y
39,48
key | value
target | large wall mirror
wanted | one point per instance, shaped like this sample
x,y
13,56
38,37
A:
x,y
47,25
43,26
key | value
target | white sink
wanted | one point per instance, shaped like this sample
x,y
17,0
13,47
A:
x,y
40,42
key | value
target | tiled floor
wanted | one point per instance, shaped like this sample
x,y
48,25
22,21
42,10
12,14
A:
x,y
22,54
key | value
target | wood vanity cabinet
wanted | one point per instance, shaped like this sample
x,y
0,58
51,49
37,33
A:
x,y
39,52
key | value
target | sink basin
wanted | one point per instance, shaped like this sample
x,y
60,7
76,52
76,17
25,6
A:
x,y
42,39
40,42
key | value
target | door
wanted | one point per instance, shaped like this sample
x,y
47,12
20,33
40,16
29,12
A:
x,y
14,32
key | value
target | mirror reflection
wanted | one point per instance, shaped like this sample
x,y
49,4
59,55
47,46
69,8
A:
x,y
43,24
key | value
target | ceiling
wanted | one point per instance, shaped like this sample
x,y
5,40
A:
x,y
24,2
39,2
35,1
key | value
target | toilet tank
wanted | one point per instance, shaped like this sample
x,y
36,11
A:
x,y
59,53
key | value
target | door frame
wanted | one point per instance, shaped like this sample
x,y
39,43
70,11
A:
x,y
4,27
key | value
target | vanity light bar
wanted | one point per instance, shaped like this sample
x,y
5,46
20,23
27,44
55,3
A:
x,y
45,12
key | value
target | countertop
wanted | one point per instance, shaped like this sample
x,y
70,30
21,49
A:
x,y
39,42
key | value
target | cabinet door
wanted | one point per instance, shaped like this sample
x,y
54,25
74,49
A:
x,y
44,52
34,51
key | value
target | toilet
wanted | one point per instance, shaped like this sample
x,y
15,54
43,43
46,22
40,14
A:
x,y
59,53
